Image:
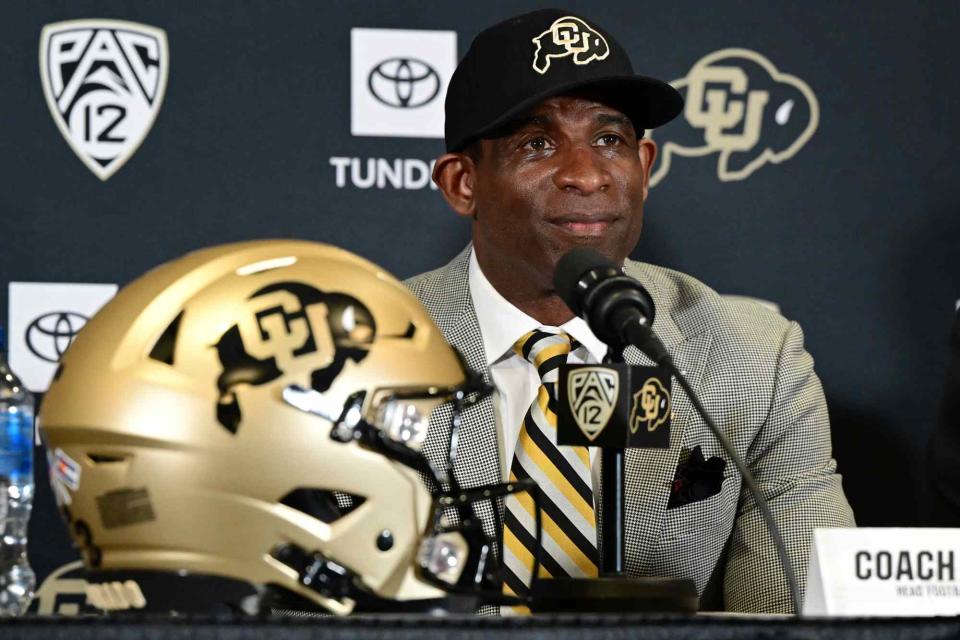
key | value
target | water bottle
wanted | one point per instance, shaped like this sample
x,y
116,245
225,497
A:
x,y
17,580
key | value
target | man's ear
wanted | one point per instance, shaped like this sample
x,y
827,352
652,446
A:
x,y
648,154
455,175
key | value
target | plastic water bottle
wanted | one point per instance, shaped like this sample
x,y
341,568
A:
x,y
17,580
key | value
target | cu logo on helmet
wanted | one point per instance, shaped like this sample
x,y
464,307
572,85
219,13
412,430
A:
x,y
404,83
49,336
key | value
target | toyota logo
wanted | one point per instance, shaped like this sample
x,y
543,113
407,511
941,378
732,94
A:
x,y
48,336
405,83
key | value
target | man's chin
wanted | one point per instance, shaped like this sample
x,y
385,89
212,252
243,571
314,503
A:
x,y
608,247
608,244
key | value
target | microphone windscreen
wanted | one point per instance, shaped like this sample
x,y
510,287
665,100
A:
x,y
571,268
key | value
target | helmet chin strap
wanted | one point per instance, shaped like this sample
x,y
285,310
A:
x,y
343,587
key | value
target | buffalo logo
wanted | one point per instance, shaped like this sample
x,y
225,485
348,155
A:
x,y
740,106
568,36
404,83
104,81
290,326
651,406
48,336
592,393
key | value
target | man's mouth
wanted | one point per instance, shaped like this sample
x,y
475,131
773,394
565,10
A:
x,y
585,224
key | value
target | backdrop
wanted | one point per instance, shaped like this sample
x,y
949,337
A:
x,y
814,168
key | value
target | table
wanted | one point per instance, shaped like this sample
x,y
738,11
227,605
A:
x,y
586,627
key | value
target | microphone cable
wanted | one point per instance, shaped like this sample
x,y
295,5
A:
x,y
747,476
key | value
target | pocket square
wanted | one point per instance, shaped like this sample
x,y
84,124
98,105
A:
x,y
696,479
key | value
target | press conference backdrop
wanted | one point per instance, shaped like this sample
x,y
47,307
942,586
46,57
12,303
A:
x,y
814,168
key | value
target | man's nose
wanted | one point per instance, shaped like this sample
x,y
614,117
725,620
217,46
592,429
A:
x,y
582,171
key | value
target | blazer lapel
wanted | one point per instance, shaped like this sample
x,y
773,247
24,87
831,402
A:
x,y
478,459
650,472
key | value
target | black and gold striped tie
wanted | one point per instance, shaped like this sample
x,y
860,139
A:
x,y
569,535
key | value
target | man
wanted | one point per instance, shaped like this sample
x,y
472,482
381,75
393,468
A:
x,y
544,131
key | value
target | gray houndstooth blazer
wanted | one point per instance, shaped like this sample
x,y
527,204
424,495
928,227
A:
x,y
750,369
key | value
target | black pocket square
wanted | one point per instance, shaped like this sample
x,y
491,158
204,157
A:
x,y
696,479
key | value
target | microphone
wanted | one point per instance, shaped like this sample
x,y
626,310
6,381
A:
x,y
620,312
616,307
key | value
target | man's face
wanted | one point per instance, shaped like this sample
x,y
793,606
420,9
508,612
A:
x,y
571,173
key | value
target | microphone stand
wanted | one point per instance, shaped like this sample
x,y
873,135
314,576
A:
x,y
613,591
612,504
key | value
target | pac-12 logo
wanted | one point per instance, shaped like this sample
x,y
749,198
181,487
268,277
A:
x,y
104,81
738,105
592,393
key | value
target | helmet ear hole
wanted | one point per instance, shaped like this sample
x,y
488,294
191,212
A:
x,y
107,458
166,344
324,505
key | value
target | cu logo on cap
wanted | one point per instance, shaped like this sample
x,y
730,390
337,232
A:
x,y
404,83
49,336
569,36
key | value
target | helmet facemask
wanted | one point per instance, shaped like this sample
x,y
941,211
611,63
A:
x,y
455,554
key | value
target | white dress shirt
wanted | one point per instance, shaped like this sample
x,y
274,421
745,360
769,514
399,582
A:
x,y
515,379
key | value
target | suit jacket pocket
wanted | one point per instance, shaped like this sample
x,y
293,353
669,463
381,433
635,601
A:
x,y
702,519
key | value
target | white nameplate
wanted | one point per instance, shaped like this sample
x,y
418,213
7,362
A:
x,y
884,572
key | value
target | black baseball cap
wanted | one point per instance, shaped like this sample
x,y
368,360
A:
x,y
514,65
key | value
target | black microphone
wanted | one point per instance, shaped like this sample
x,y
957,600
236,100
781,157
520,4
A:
x,y
616,307
620,312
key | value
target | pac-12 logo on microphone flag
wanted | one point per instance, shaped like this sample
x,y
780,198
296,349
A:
x,y
104,82
592,393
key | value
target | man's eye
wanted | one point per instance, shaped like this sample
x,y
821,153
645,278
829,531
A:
x,y
536,144
609,139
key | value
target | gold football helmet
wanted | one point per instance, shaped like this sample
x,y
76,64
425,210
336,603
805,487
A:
x,y
257,411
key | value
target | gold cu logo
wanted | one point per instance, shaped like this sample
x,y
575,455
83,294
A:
x,y
738,104
568,36
651,406
286,330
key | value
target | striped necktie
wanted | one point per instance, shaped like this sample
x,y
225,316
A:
x,y
569,535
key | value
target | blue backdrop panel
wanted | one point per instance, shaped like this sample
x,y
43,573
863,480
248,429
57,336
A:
x,y
855,235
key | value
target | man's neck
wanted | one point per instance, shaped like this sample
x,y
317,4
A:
x,y
549,311
540,302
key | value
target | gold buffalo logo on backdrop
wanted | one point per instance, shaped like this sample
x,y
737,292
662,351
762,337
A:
x,y
592,393
740,106
651,406
568,36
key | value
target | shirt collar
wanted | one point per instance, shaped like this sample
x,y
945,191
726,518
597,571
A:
x,y
502,324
